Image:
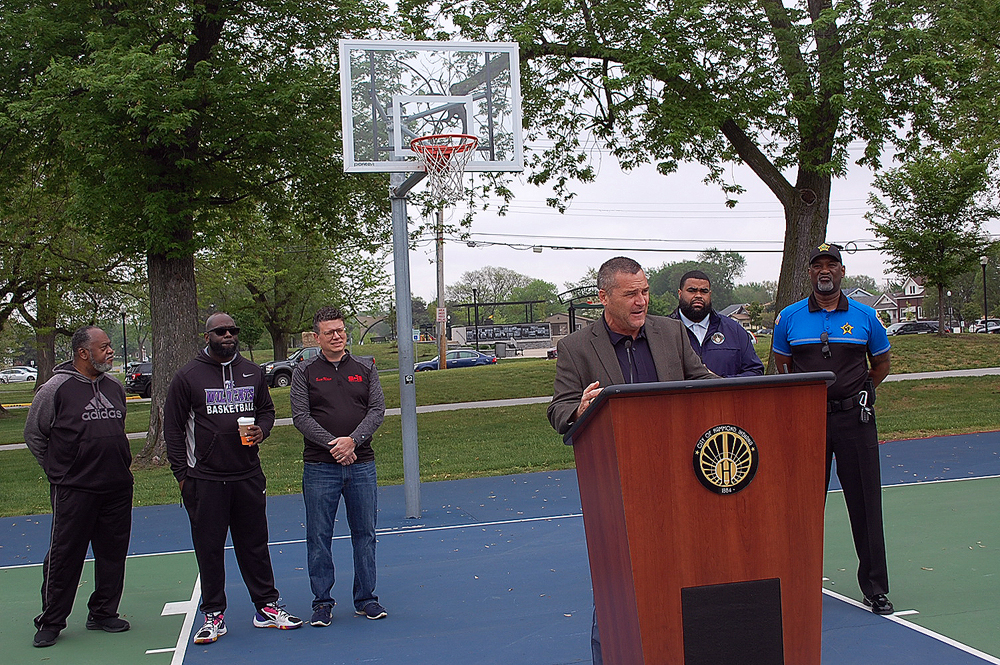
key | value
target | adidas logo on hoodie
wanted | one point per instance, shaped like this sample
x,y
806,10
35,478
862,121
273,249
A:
x,y
101,408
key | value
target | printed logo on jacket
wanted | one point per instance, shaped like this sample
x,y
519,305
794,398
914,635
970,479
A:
x,y
101,408
231,399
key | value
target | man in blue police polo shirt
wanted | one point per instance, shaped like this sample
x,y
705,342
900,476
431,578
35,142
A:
x,y
830,332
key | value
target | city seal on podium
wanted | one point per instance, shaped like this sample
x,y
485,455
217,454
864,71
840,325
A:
x,y
725,459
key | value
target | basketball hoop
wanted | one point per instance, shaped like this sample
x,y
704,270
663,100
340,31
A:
x,y
444,157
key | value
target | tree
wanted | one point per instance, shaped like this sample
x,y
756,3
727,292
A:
x,y
724,268
932,216
761,292
492,284
537,289
860,282
170,115
279,274
784,88
56,274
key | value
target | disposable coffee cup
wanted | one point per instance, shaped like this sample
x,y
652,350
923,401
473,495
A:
x,y
244,424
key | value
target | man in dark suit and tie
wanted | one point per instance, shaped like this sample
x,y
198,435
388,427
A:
x,y
624,346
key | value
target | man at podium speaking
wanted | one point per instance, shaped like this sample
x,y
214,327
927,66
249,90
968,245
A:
x,y
830,332
624,346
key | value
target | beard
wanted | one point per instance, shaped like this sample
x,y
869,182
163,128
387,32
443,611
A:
x,y
825,286
222,349
101,368
693,314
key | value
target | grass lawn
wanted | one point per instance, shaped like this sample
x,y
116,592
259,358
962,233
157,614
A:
x,y
453,444
468,443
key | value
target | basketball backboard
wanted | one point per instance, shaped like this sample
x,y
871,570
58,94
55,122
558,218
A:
x,y
395,91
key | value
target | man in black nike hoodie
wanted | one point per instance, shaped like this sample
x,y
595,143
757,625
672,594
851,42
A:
x,y
76,430
221,482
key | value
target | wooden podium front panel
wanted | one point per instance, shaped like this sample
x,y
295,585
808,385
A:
x,y
680,534
608,541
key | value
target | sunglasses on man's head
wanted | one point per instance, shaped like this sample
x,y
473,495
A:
x,y
222,330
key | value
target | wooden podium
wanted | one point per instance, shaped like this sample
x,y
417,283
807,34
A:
x,y
691,561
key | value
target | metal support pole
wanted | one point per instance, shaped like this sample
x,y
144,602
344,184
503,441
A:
x,y
442,326
986,315
399,185
475,310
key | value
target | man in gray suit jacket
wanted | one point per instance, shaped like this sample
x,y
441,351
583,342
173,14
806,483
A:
x,y
625,346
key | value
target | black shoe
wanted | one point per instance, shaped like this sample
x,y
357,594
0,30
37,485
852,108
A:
x,y
45,637
879,603
109,625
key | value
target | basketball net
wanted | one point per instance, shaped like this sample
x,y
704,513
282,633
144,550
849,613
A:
x,y
444,157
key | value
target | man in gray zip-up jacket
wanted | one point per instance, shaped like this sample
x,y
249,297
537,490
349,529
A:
x,y
76,430
337,404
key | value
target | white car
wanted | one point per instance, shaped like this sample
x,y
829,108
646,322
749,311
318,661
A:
x,y
18,375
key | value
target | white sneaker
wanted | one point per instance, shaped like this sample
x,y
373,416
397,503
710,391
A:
x,y
274,616
214,628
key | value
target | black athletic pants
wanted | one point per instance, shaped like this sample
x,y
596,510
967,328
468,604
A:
x,y
238,507
104,522
855,445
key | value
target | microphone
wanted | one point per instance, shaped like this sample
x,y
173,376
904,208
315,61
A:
x,y
631,361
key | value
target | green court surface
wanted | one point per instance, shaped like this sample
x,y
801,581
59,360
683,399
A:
x,y
151,582
941,538
943,552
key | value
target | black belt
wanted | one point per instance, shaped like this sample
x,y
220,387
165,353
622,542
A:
x,y
842,404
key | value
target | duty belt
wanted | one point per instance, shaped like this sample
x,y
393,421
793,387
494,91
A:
x,y
842,404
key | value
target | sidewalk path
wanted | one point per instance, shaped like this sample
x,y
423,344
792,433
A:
x,y
487,404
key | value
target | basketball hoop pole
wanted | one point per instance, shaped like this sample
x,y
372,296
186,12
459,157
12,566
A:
x,y
399,185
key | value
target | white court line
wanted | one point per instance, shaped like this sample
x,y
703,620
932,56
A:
x,y
189,608
927,482
449,527
920,629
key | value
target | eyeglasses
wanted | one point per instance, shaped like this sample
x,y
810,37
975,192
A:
x,y
222,330
341,332
825,338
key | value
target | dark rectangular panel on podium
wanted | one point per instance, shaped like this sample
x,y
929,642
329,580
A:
x,y
670,512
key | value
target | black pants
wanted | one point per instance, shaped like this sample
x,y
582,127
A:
x,y
855,445
104,522
238,507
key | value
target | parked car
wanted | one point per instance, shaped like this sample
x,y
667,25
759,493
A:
x,y
992,326
139,380
912,328
459,358
279,372
18,375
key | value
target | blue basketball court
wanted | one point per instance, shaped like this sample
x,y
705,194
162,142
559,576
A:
x,y
496,571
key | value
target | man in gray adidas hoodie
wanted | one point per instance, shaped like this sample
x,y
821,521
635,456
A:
x,y
76,430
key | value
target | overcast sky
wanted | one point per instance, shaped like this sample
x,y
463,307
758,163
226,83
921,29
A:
x,y
637,212
645,215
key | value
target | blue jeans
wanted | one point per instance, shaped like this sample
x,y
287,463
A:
x,y
322,486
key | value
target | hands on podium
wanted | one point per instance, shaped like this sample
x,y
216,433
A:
x,y
590,393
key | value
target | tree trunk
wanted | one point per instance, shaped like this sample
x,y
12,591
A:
x,y
175,340
45,333
941,306
279,342
807,212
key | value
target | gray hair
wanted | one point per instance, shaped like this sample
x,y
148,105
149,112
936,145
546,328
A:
x,y
609,270
81,338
